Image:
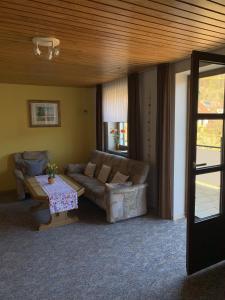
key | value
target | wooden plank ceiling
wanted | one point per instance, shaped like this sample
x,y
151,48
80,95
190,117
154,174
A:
x,y
103,39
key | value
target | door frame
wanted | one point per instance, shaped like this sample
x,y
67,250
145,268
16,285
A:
x,y
195,228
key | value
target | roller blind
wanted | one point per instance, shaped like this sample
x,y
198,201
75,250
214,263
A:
x,y
115,101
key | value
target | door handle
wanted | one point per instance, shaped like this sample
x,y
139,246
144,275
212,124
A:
x,y
199,165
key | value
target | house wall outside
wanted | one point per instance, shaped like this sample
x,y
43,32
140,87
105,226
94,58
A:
x,y
71,142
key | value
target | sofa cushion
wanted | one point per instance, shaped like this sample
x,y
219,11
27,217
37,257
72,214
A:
x,y
90,169
104,173
34,167
91,184
119,178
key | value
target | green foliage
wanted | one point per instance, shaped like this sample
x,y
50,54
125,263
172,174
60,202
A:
x,y
211,100
51,169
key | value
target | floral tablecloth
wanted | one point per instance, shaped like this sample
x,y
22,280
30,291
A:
x,y
62,197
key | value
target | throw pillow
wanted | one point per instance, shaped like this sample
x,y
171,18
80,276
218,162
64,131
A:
x,y
34,167
104,173
119,178
90,169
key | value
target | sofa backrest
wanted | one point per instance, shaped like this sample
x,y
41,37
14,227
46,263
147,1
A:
x,y
137,170
29,155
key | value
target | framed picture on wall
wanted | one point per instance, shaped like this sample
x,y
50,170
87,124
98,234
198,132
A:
x,y
44,113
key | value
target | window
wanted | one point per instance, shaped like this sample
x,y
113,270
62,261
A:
x,y
115,108
116,137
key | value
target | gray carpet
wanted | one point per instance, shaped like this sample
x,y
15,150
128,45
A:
x,y
142,258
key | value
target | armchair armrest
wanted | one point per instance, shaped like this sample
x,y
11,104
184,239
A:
x,y
125,202
74,168
20,184
18,174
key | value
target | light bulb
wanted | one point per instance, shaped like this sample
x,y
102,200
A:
x,y
56,51
50,54
37,51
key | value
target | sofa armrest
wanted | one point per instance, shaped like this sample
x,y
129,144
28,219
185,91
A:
x,y
125,202
19,175
74,168
125,189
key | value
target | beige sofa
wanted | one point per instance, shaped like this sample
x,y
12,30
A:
x,y
120,202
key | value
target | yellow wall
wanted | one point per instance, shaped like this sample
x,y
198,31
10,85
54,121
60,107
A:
x,y
71,142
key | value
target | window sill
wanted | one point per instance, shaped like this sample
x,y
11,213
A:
x,y
123,153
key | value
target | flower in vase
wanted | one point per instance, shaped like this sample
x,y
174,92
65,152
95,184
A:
x,y
51,169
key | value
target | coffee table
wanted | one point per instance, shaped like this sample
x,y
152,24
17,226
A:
x,y
37,193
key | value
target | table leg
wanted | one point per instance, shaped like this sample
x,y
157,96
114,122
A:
x,y
39,206
58,219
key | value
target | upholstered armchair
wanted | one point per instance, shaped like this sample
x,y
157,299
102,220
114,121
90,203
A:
x,y
22,160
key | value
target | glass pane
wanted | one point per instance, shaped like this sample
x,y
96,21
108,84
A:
x,y
211,88
209,142
207,195
123,133
112,135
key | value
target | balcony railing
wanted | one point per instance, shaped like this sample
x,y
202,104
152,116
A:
x,y
206,146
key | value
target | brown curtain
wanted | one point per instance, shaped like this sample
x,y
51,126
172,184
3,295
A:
x,y
99,123
134,134
165,138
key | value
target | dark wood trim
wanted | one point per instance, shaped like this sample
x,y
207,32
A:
x,y
207,231
199,116
192,156
105,136
212,72
99,119
205,170
222,194
30,102
165,139
211,116
187,143
134,118
207,57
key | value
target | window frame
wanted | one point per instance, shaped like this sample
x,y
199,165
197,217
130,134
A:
x,y
122,148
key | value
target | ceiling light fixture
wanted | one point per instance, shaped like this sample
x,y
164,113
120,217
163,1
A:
x,y
48,42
